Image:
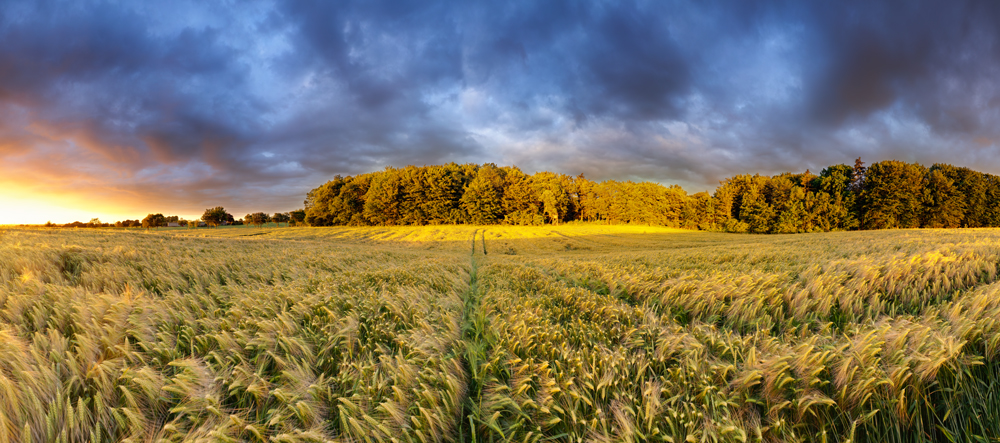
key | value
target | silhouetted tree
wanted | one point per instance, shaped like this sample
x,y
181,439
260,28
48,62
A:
x,y
298,217
216,216
281,217
154,221
858,176
259,218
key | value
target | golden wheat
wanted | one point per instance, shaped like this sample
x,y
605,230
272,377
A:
x,y
561,333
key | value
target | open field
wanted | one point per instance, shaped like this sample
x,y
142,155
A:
x,y
558,333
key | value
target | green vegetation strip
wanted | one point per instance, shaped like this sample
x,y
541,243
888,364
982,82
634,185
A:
x,y
888,194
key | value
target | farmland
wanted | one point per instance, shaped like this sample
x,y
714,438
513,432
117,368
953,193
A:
x,y
556,333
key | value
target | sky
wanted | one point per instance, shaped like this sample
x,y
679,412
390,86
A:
x,y
117,109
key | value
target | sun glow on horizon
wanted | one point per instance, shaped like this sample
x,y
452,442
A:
x,y
21,207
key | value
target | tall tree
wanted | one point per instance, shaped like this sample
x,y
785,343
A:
x,y
281,217
412,196
841,208
973,188
154,221
587,198
893,195
348,207
443,188
858,176
944,206
321,206
521,202
382,202
216,216
259,219
757,213
738,192
483,198
787,201
552,193
298,217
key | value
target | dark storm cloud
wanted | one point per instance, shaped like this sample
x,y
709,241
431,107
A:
x,y
200,103
605,60
873,56
634,69
98,75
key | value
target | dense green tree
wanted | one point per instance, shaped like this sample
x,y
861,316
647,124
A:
x,y
586,199
383,202
835,180
723,200
443,188
599,206
154,221
349,205
521,203
700,213
839,208
829,212
757,213
483,197
973,188
281,217
550,206
944,206
257,219
785,201
889,194
992,210
553,195
893,195
322,204
412,197
297,217
740,188
216,216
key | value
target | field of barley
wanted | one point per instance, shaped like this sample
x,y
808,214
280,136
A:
x,y
469,334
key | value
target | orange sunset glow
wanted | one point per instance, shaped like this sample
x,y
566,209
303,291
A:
x,y
26,207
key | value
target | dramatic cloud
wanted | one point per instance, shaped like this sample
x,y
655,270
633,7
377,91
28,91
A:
x,y
184,105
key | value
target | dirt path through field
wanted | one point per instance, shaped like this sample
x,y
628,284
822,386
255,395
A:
x,y
477,349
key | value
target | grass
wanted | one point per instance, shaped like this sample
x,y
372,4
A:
x,y
559,333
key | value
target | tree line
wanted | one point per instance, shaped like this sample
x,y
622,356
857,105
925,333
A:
x,y
888,194
217,216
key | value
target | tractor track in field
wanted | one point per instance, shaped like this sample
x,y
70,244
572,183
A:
x,y
475,352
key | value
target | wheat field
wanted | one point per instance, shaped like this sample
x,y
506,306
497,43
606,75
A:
x,y
566,333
